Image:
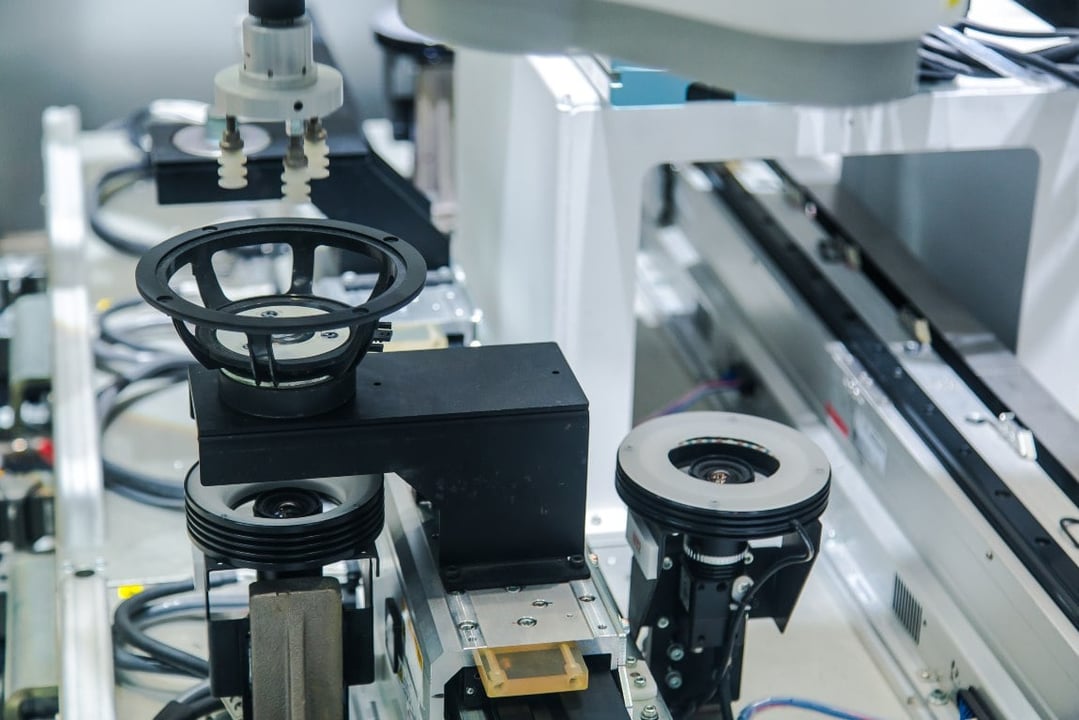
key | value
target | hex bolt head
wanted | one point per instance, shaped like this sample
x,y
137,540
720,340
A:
x,y
667,563
676,652
640,681
526,621
663,623
674,679
938,697
649,712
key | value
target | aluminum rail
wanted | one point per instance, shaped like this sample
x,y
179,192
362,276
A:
x,y
86,679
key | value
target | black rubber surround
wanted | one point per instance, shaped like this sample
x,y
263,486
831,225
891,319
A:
x,y
659,459
314,537
402,274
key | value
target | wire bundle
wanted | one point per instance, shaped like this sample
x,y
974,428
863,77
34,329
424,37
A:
x,y
135,650
695,395
126,481
943,58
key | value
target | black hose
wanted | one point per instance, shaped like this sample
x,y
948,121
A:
x,y
126,631
125,481
1010,33
192,710
108,185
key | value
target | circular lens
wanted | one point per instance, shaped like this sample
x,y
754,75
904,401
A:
x,y
721,470
723,461
283,504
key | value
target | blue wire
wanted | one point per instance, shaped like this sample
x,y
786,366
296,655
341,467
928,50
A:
x,y
965,713
753,708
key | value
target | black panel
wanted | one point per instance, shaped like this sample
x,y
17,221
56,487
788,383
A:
x,y
495,437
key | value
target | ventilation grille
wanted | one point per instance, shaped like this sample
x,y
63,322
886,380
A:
x,y
907,609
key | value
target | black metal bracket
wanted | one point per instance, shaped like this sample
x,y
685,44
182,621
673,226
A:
x,y
495,437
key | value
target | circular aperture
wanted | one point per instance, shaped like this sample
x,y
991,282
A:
x,y
717,474
295,524
723,461
287,503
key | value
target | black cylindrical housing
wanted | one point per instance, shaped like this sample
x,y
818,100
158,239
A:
x,y
277,10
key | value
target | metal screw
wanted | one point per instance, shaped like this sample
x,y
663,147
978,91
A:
x,y
649,712
925,674
912,347
674,679
663,623
741,586
470,691
587,598
975,418
269,313
541,603
640,681
719,476
676,652
467,625
938,697
526,621
513,589
631,661
330,335
667,563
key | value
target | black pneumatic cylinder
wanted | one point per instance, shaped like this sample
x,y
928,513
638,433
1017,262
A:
x,y
277,10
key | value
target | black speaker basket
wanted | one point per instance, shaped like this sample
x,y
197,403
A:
x,y
289,352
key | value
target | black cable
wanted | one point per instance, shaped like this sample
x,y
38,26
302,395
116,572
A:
x,y
134,615
1027,60
741,613
158,614
125,481
944,62
726,711
193,710
108,185
1060,53
1066,524
114,337
1035,61
126,630
966,24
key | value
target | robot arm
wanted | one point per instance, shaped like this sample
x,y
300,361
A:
x,y
278,79
816,51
